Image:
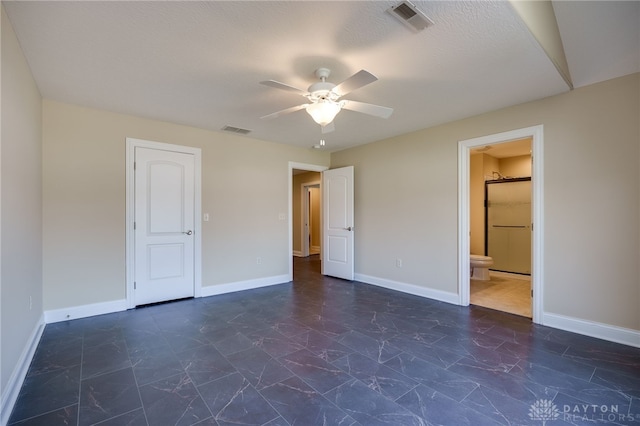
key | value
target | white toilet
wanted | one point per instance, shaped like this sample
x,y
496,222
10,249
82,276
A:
x,y
480,267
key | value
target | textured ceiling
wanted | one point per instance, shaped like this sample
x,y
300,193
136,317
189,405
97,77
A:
x,y
200,63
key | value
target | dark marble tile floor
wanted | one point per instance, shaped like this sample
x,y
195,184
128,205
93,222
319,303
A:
x,y
323,351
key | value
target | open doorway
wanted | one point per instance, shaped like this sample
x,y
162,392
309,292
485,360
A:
x,y
311,219
500,226
304,196
307,212
465,147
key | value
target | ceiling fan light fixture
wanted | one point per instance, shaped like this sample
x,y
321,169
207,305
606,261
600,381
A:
x,y
324,111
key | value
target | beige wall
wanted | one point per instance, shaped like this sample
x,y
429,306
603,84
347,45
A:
x,y
21,206
298,181
519,166
489,165
476,201
406,200
244,189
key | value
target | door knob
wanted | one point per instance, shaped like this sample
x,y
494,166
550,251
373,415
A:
x,y
349,228
189,232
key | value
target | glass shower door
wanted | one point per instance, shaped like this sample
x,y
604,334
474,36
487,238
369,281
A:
x,y
508,225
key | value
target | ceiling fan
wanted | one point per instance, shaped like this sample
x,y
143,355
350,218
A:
x,y
324,98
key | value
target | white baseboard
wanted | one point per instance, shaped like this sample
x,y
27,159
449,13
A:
x,y
84,311
244,285
297,253
608,332
14,384
430,293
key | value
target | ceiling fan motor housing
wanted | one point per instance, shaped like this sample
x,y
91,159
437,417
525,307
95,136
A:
x,y
322,90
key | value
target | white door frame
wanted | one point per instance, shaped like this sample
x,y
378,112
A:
x,y
537,250
306,213
299,166
132,144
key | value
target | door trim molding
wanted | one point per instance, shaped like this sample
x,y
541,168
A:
x,y
300,166
537,184
131,145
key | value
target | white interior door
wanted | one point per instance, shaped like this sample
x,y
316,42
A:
x,y
164,225
338,226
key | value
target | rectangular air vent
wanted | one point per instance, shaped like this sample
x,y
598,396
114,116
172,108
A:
x,y
236,130
410,15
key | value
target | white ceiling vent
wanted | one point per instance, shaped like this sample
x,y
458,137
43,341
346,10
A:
x,y
410,15
236,130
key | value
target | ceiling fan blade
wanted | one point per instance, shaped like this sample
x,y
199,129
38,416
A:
x,y
328,128
356,81
283,86
371,109
284,111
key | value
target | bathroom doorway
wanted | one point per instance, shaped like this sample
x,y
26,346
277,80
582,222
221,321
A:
x,y
502,166
506,211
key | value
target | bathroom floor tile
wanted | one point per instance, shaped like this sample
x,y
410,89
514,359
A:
x,y
504,294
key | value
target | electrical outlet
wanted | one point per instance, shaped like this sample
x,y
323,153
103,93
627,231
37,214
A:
x,y
258,260
206,217
398,263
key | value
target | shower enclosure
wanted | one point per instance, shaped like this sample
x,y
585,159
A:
x,y
508,224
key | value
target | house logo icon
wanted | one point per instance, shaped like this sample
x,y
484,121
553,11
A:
x,y
544,410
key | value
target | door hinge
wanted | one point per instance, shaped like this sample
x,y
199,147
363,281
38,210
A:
x,y
134,165
134,285
531,292
134,226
